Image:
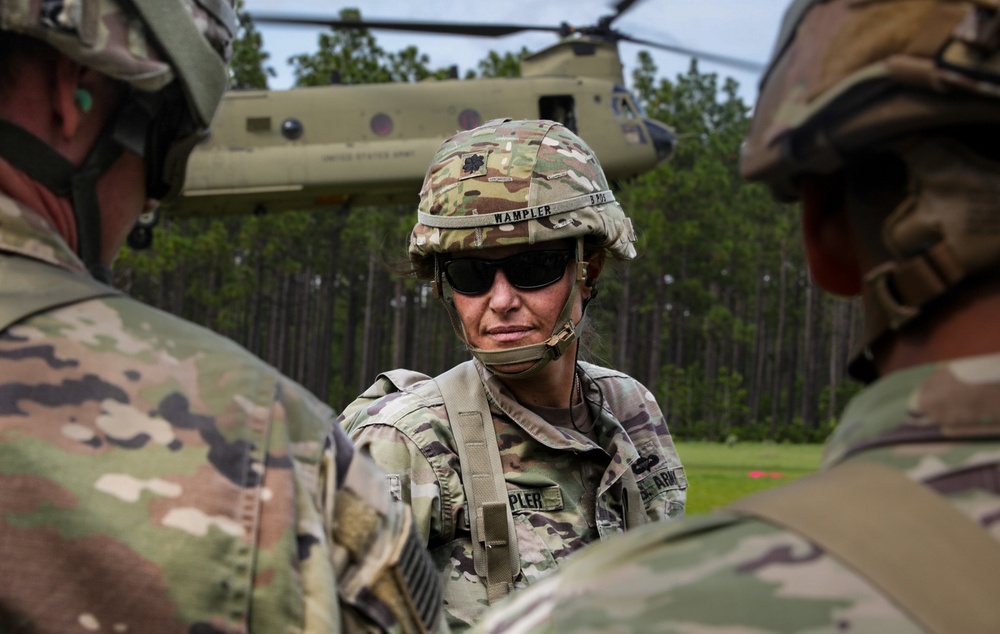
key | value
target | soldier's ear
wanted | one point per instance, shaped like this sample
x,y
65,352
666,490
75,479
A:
x,y
830,242
594,267
66,100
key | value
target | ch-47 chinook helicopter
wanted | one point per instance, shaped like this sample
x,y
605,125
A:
x,y
307,148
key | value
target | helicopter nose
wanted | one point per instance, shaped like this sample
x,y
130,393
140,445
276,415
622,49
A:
x,y
664,139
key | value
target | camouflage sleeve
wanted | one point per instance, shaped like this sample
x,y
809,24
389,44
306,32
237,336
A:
x,y
411,476
658,470
384,573
664,485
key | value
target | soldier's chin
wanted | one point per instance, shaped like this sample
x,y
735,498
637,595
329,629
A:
x,y
514,368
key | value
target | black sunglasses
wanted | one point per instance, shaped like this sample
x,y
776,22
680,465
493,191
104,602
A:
x,y
527,271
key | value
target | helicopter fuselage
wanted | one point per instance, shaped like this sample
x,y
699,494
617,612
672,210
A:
x,y
328,146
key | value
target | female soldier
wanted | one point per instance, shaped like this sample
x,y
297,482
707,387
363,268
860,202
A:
x,y
521,456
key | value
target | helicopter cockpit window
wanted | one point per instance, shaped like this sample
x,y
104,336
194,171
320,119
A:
x,y
381,124
559,108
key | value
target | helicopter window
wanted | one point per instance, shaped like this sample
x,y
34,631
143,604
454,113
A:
x,y
559,108
258,124
381,124
468,119
291,129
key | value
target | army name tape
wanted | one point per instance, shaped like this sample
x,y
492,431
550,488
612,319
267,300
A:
x,y
516,215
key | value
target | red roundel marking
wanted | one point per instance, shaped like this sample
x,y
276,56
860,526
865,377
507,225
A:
x,y
381,124
468,119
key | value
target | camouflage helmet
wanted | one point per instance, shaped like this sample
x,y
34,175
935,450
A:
x,y
172,54
147,44
847,75
516,182
850,77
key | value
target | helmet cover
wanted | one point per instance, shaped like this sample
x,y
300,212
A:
x,y
848,75
516,182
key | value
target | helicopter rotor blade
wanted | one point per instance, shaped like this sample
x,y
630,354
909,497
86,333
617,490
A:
x,y
451,28
499,30
725,60
622,6
604,24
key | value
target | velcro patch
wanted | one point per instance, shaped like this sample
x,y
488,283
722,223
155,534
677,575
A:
x,y
473,164
547,499
395,487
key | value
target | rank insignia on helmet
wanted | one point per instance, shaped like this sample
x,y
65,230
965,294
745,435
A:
x,y
474,165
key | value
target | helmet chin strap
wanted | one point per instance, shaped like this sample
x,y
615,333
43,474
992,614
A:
x,y
87,208
564,335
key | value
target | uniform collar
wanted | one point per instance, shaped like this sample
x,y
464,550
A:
x,y
955,399
25,232
614,440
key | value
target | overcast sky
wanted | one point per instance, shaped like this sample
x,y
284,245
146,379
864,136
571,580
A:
x,y
737,28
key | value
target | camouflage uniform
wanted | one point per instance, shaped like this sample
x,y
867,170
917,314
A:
x,y
565,490
155,477
512,184
719,573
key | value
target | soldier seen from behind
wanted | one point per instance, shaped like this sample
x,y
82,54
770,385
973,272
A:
x,y
155,477
525,454
882,118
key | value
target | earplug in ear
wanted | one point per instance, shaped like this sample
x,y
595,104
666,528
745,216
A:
x,y
84,100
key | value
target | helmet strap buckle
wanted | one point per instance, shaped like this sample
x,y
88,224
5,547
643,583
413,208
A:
x,y
559,343
897,312
901,288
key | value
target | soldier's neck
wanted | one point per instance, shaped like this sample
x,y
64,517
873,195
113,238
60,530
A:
x,y
551,387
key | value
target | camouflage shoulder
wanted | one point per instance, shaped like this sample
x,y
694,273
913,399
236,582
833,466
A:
x,y
598,372
392,400
240,376
165,343
670,577
618,382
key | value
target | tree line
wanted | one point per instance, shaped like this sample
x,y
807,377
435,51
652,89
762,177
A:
x,y
717,316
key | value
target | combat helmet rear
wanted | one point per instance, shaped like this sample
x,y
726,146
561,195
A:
x,y
172,54
851,78
516,182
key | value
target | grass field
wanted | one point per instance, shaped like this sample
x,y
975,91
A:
x,y
718,474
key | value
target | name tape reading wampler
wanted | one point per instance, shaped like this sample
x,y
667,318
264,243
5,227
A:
x,y
515,215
